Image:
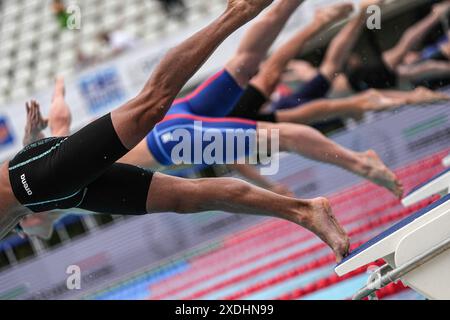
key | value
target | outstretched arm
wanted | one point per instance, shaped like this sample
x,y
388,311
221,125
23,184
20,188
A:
x,y
258,39
343,44
270,75
415,34
135,119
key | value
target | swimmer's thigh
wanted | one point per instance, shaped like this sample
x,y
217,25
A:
x,y
121,190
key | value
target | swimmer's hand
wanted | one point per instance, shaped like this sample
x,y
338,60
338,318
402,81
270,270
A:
x,y
365,4
248,8
35,123
328,15
441,9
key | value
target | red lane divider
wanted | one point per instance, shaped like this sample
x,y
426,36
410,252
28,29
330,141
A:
x,y
236,264
391,289
388,291
225,268
324,261
249,291
227,258
269,225
254,272
255,233
296,272
345,196
276,263
325,283
227,251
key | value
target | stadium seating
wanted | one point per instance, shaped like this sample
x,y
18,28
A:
x,y
34,47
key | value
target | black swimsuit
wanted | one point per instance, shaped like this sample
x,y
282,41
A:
x,y
80,171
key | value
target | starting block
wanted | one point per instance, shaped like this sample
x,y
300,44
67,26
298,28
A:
x,y
416,251
440,184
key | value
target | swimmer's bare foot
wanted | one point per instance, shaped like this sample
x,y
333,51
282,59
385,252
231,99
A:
x,y
374,100
423,95
319,219
376,171
377,101
334,13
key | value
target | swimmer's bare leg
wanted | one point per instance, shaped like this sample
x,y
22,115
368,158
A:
x,y
420,95
310,143
134,120
351,107
272,70
258,39
415,35
169,194
343,44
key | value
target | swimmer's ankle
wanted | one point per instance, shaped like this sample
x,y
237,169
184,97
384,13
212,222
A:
x,y
362,165
301,212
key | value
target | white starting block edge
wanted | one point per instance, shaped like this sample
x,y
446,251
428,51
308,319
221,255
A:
x,y
439,184
384,246
446,161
